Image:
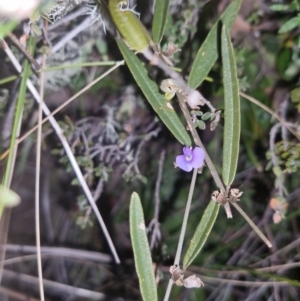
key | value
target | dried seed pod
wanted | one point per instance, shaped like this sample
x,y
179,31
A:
x,y
219,197
192,281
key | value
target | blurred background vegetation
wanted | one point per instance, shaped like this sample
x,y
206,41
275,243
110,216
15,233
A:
x,y
119,143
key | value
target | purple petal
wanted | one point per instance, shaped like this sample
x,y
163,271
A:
x,y
197,157
187,151
182,163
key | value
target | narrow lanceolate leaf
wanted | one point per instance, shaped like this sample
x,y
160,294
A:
x,y
150,89
290,24
208,53
9,170
232,125
141,250
7,27
159,19
201,233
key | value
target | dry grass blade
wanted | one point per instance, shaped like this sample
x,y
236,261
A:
x,y
54,286
70,155
271,112
37,184
67,102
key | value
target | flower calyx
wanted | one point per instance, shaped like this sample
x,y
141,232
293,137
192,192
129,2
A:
x,y
222,197
178,278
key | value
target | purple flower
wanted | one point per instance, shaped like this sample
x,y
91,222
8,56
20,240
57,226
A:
x,y
190,158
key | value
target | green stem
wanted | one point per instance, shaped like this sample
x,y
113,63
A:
x,y
185,218
250,222
198,142
183,229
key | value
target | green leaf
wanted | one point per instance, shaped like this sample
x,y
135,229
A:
x,y
207,221
206,116
8,79
279,7
141,250
208,53
6,28
292,6
232,125
201,124
150,89
295,97
290,25
9,170
159,20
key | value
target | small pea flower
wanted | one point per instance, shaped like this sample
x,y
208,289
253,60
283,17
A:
x,y
191,158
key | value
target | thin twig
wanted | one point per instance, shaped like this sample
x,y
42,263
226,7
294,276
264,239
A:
x,y
156,232
274,114
185,218
77,293
16,41
292,246
274,158
70,155
254,227
51,114
54,252
37,184
78,65
183,229
68,18
168,291
8,118
12,294
71,34
134,163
